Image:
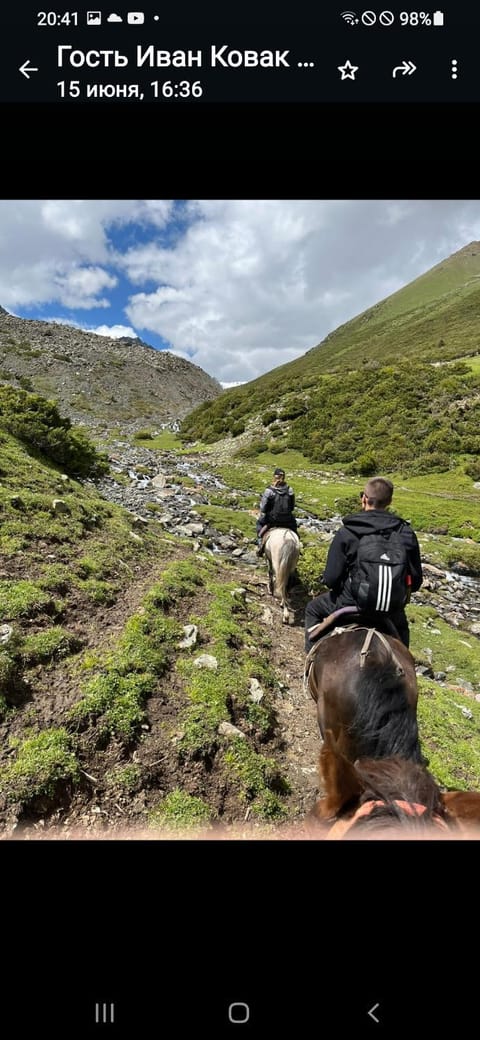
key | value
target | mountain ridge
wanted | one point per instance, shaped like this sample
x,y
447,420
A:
x,y
97,380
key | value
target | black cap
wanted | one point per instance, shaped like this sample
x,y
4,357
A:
x,y
279,472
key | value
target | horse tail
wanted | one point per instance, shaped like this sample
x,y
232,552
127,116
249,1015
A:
x,y
287,559
384,723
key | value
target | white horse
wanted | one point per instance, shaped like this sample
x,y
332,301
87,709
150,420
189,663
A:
x,y
282,549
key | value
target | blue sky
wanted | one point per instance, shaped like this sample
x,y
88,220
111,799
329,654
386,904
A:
x,y
237,287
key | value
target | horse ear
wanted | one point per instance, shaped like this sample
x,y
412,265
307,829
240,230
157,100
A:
x,y
463,805
340,778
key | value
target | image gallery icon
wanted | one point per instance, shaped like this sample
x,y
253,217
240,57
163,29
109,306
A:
x,y
94,17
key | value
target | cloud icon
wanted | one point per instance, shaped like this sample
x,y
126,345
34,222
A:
x,y
114,18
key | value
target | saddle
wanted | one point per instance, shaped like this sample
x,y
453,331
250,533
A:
x,y
353,616
264,533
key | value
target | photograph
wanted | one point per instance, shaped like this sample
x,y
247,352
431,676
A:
x,y
239,520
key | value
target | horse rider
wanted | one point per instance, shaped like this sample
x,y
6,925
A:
x,y
342,559
276,508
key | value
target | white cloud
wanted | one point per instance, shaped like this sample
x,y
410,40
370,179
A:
x,y
238,287
252,285
50,250
80,287
112,331
115,331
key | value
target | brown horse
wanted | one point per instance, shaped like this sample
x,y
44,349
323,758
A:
x,y
388,797
365,687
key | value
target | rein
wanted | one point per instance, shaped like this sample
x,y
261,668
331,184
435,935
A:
x,y
371,632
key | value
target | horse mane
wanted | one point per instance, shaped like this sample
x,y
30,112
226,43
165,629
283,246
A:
x,y
398,795
392,794
392,782
389,817
397,779
384,724
395,787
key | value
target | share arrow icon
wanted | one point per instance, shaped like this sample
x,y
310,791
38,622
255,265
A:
x,y
405,69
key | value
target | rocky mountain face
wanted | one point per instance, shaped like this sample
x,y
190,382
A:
x,y
97,381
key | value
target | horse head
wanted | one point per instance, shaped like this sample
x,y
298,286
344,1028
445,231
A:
x,y
376,795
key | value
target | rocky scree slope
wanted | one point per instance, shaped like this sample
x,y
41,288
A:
x,y
97,381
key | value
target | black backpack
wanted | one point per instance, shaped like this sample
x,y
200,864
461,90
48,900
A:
x,y
379,577
280,511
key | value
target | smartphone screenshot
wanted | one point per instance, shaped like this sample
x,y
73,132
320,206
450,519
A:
x,y
239,537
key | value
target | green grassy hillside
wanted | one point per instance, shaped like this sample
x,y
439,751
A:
x,y
380,392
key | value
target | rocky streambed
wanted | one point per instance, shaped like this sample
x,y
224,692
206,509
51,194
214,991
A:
x,y
165,489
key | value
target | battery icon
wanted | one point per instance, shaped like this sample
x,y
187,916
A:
x,y
438,18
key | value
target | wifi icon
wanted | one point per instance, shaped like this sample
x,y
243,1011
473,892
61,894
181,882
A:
x,y
349,17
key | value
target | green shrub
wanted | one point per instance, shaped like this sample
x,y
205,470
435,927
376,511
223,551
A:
x,y
119,699
250,450
126,777
431,462
269,417
180,810
25,383
347,505
23,598
472,469
8,675
47,644
367,465
42,763
37,423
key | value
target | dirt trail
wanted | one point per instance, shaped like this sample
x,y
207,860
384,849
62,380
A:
x,y
297,734
50,690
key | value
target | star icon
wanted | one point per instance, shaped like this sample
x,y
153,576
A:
x,y
348,70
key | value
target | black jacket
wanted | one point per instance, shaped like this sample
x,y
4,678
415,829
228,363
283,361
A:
x,y
343,550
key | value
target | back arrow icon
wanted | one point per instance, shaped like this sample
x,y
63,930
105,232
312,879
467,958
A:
x,y
25,68
372,1009
406,68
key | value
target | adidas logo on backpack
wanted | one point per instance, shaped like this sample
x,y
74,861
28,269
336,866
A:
x,y
378,579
